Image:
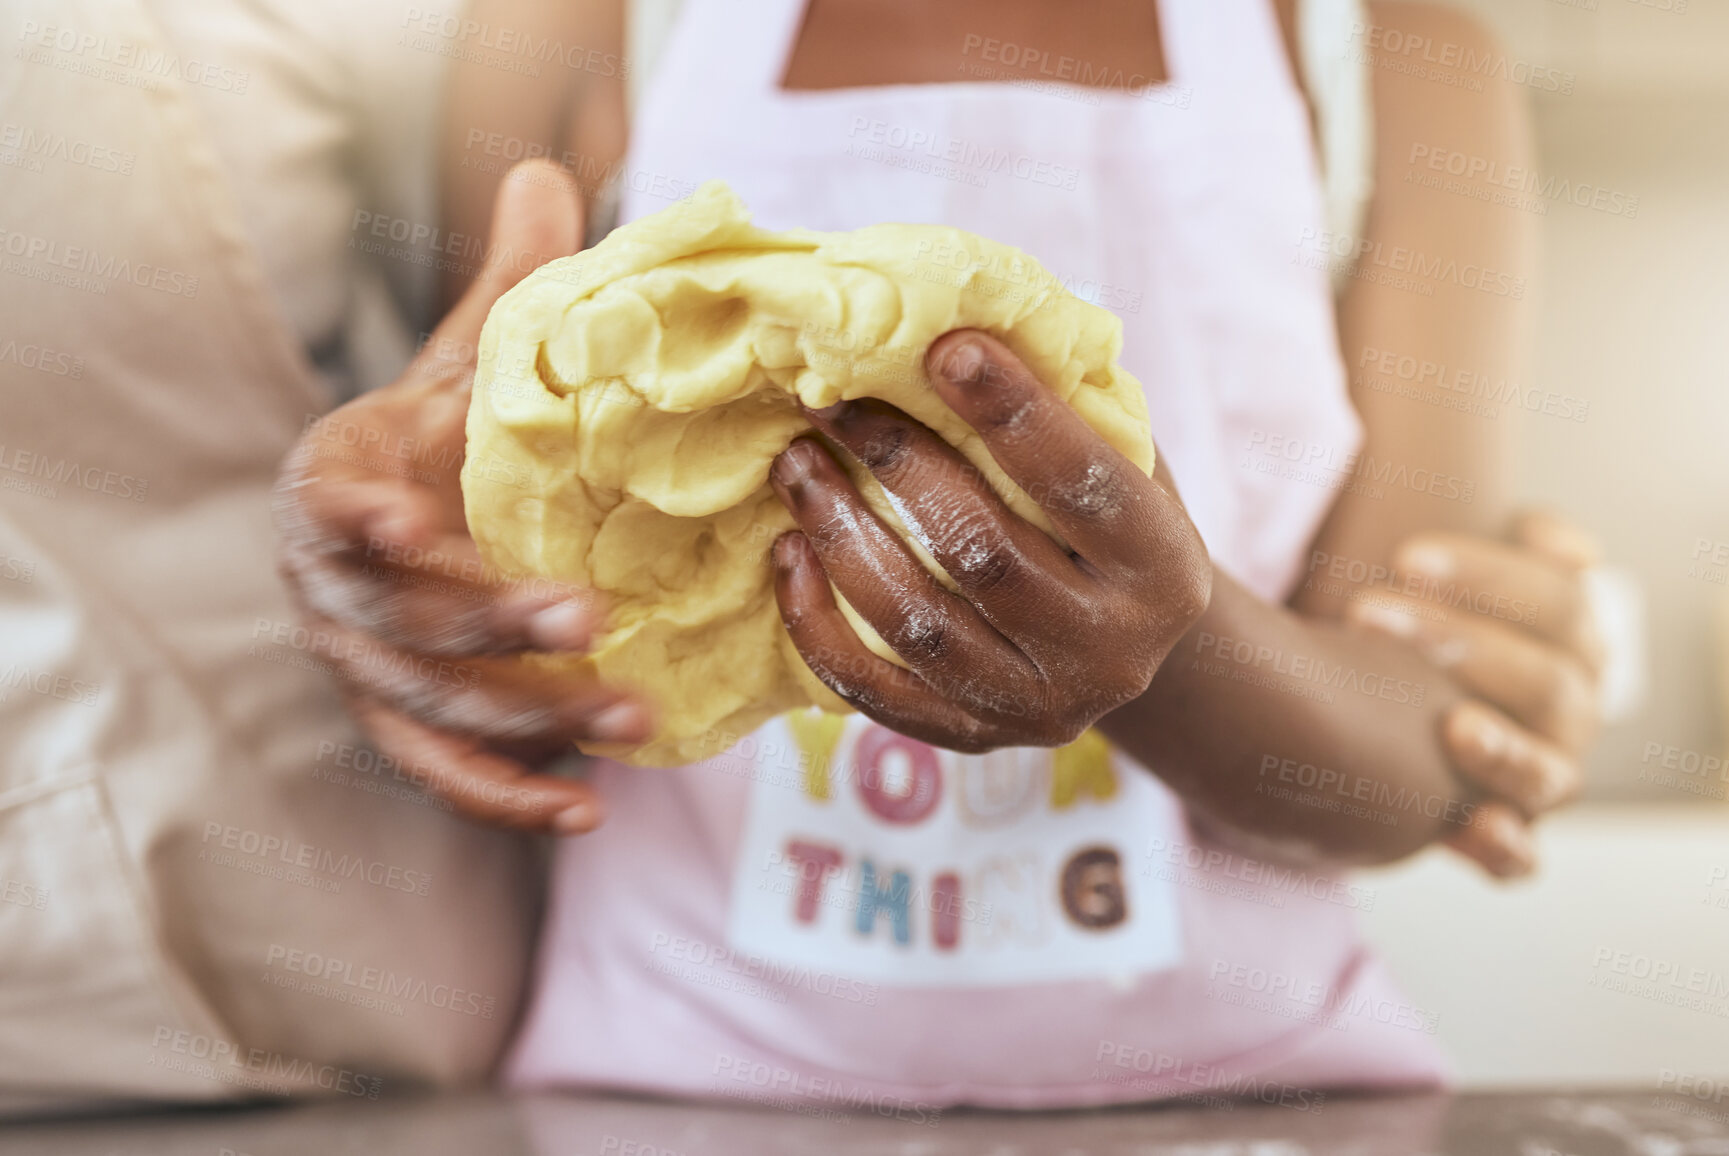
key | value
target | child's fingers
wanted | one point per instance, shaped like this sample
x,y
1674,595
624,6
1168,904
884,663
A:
x,y
1499,840
484,785
872,685
1466,574
1105,508
1012,571
938,633
1508,761
1544,687
1557,539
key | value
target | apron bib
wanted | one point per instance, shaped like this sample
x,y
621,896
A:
x,y
833,913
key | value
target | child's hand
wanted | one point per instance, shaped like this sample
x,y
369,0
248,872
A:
x,y
376,552
1511,622
1041,641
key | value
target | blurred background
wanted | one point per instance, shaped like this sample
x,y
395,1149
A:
x,y
1634,310
1633,315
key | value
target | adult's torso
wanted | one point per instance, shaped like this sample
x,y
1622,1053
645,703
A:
x,y
181,792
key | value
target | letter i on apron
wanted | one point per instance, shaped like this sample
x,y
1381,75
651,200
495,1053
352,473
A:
x,y
888,859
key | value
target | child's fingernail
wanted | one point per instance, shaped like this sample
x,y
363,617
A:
x,y
565,626
620,722
965,364
1485,732
1517,851
1389,619
838,412
1428,559
793,466
579,819
787,552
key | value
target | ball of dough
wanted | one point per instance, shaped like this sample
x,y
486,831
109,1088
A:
x,y
629,400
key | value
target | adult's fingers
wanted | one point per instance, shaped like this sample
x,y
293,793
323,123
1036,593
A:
x,y
537,217
869,683
483,784
412,430
383,462
1104,507
1508,761
1013,572
368,554
498,700
939,634
339,508
1542,686
1509,583
437,601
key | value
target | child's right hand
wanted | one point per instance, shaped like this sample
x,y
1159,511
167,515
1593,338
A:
x,y
376,551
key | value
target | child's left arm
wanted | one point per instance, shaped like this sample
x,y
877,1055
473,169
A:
x,y
1494,605
1465,736
1441,380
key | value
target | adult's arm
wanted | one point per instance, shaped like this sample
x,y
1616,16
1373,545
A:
x,y
569,107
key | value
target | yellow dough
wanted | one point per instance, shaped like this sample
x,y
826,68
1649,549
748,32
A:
x,y
630,399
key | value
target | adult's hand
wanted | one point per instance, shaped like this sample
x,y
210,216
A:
x,y
425,636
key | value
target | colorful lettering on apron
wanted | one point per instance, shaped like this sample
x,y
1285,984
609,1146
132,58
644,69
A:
x,y
886,859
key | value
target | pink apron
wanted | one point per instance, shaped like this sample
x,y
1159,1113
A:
x,y
916,928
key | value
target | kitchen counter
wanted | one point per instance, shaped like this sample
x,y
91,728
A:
x,y
1526,1124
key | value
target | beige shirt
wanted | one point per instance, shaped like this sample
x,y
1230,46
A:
x,y
207,887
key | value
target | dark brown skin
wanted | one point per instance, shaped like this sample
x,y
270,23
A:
x,y
1055,636
382,566
1045,642
848,43
1040,641
1209,736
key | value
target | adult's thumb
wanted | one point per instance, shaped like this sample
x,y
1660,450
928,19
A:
x,y
536,217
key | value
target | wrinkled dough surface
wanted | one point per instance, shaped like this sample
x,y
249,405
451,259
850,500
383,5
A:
x,y
630,399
